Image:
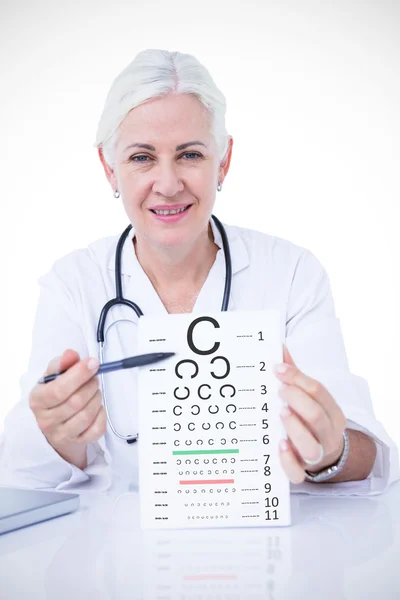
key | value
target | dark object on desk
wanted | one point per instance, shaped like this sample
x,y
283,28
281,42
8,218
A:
x,y
126,363
22,507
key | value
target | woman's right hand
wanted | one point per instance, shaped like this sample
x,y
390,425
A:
x,y
68,409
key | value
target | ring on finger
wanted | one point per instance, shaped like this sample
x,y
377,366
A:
x,y
318,460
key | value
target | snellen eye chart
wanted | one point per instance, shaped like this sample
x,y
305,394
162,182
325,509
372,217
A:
x,y
209,422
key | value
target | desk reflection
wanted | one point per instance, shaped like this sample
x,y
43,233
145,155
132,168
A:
x,y
229,564
116,560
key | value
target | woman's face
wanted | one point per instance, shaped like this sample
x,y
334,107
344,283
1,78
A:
x,y
166,156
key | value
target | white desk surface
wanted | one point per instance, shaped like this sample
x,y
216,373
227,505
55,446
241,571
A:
x,y
336,548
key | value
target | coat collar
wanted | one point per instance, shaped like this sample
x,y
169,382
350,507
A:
x,y
140,290
239,254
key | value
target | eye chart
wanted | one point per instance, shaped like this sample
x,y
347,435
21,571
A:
x,y
209,422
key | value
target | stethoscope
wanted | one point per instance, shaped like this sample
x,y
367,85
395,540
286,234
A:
x,y
119,299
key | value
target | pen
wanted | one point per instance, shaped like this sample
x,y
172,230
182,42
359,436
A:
x,y
126,363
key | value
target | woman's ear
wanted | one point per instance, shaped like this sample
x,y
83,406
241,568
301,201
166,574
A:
x,y
107,169
224,166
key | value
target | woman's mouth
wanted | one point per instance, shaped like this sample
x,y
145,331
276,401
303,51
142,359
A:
x,y
171,216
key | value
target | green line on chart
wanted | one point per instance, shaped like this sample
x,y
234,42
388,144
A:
x,y
231,451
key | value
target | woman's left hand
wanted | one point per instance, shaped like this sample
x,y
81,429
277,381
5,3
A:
x,y
312,419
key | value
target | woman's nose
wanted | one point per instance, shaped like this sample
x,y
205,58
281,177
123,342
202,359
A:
x,y
167,181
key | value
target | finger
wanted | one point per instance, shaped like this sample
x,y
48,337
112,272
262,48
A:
x,y
96,430
309,411
74,404
54,393
290,463
41,396
312,387
301,438
63,362
76,425
287,357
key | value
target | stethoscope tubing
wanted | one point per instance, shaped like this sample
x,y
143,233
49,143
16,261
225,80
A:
x,y
120,300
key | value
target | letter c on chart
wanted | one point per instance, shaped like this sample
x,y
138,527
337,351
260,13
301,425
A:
x,y
228,367
201,386
182,362
190,335
181,397
228,385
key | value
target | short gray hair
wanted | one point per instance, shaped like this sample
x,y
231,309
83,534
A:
x,y
152,74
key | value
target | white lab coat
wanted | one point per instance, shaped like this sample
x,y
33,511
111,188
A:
x,y
268,272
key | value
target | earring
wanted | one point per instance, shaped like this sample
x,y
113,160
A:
x,y
116,194
219,186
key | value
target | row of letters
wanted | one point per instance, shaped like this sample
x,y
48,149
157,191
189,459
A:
x,y
206,426
210,442
213,409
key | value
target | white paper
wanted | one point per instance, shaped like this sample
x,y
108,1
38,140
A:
x,y
209,422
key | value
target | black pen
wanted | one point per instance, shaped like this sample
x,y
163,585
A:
x,y
126,363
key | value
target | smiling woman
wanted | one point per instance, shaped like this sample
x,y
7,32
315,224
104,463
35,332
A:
x,y
169,191
165,151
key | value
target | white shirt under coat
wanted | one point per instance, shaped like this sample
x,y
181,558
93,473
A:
x,y
268,272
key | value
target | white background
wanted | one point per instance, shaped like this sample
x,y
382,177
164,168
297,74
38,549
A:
x,y
313,94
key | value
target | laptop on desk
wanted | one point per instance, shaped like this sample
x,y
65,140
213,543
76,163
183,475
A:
x,y
22,507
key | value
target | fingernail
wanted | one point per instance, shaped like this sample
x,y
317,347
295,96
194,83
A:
x,y
285,412
283,445
280,369
93,364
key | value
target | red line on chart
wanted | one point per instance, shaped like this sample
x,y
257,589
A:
x,y
200,481
206,576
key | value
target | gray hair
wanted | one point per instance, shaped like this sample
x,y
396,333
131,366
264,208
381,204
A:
x,y
154,73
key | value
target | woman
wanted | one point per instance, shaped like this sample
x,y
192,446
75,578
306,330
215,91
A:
x,y
163,145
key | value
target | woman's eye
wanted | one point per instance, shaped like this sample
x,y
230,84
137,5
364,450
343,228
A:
x,y
138,156
192,155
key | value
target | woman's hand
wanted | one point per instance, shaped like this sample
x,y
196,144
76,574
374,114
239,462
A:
x,y
312,419
68,409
